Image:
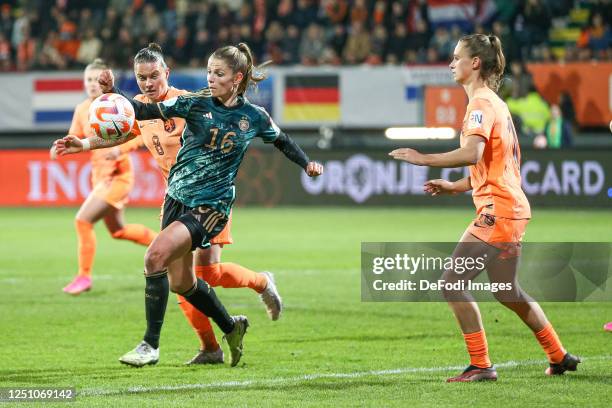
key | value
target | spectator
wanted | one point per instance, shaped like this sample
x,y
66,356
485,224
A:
x,y
596,36
284,13
290,45
337,40
537,20
26,50
305,14
151,20
6,21
358,44
68,44
379,13
511,50
330,57
398,14
202,47
6,62
378,50
335,11
533,111
312,45
86,22
89,48
398,42
418,40
49,56
442,43
432,56
274,38
557,131
359,13
182,46
245,14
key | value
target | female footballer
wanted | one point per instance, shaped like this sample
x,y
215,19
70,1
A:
x,y
162,139
220,125
112,179
490,148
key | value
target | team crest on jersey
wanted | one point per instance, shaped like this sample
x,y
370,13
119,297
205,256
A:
x,y
169,125
244,124
475,120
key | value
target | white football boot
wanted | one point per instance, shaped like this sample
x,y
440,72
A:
x,y
142,355
271,298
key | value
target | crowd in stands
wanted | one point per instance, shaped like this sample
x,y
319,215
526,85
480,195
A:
x,y
68,34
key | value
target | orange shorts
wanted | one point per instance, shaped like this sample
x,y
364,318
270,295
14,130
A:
x,y
114,190
503,233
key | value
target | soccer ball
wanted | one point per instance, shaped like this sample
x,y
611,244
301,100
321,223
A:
x,y
111,116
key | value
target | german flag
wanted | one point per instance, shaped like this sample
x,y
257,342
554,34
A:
x,y
311,98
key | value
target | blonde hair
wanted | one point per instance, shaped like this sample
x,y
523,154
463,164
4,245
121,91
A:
x,y
98,63
240,59
489,49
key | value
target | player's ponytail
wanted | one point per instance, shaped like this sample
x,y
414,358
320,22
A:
x,y
492,61
240,59
152,53
97,63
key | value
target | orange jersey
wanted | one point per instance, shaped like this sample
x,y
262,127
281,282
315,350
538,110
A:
x,y
163,139
496,178
102,168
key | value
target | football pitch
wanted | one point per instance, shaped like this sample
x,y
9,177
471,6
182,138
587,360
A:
x,y
328,348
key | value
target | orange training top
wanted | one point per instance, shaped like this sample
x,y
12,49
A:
x,y
163,139
496,178
101,167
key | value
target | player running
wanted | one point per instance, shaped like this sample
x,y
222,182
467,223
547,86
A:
x,y
112,179
162,139
220,124
490,148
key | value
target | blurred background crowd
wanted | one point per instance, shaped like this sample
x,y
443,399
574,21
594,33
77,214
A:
x,y
68,34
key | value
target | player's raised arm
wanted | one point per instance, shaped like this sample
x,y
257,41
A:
x,y
466,155
142,111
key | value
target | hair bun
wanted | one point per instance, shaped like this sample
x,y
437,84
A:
x,y
155,47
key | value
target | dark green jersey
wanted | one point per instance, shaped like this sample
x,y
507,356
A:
x,y
213,145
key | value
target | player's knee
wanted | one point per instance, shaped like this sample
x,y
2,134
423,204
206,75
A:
x,y
155,259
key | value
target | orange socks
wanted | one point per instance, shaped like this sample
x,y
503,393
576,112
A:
x,y
548,339
86,238
201,325
137,233
231,275
478,349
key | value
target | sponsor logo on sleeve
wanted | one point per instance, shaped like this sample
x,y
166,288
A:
x,y
475,120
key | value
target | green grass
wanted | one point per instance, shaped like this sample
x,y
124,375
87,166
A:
x,y
328,349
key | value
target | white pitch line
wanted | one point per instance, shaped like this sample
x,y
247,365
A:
x,y
308,377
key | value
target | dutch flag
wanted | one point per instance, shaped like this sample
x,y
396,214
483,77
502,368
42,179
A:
x,y
54,99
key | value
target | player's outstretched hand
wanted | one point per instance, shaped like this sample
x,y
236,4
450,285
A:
x,y
314,169
67,145
106,80
438,186
409,155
